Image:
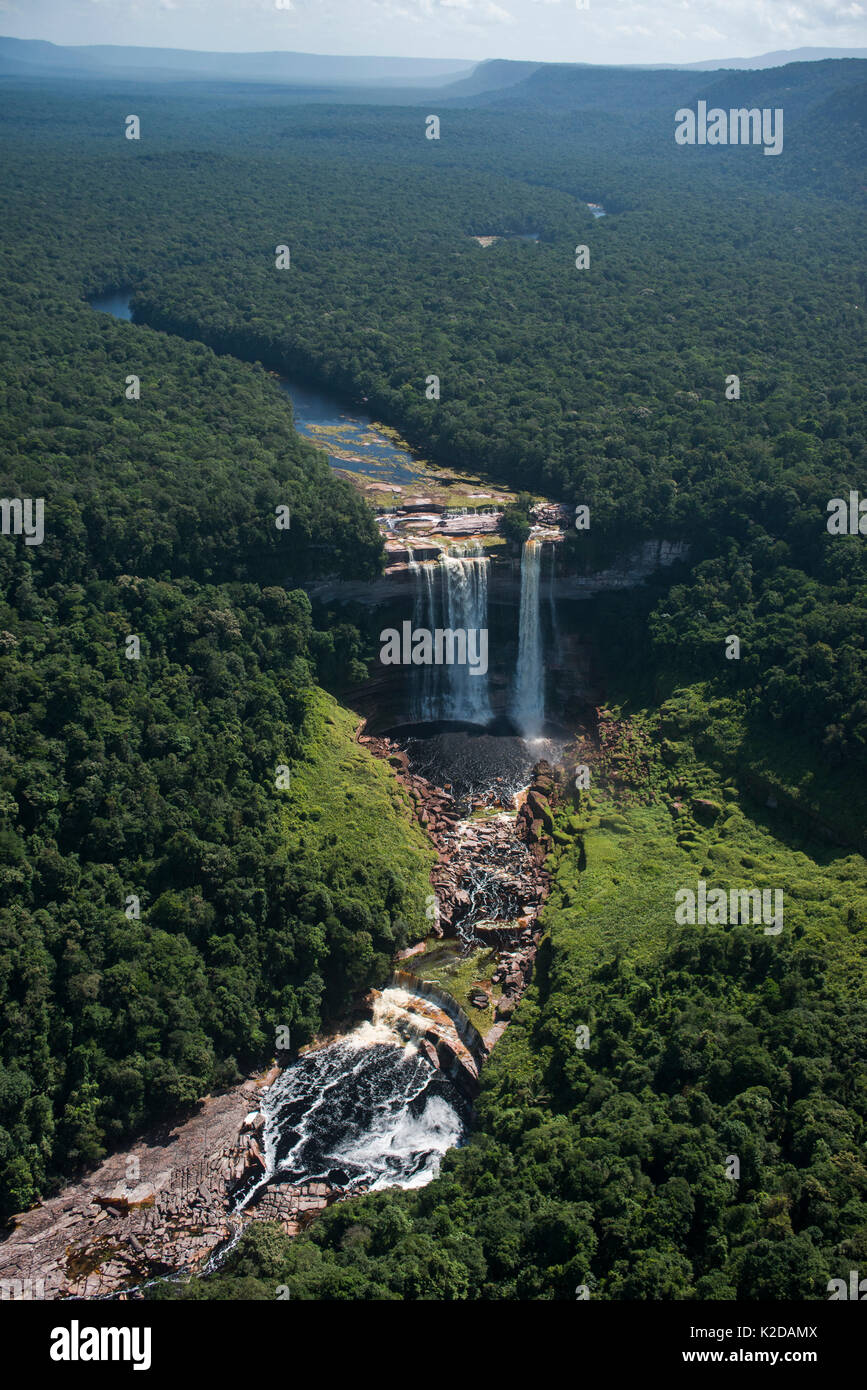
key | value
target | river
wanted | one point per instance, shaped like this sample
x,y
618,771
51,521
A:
x,y
346,433
371,1109
377,1104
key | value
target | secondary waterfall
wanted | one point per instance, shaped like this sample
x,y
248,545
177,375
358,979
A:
x,y
556,637
528,707
452,594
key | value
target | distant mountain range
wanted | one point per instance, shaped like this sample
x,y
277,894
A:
x,y
458,77
636,91
772,60
35,57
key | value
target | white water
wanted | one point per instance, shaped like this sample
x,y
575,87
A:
x,y
369,1110
452,593
528,705
426,678
556,636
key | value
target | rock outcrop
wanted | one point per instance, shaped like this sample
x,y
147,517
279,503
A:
x,y
159,1208
496,858
495,843
535,815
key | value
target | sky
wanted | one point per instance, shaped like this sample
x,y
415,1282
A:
x,y
607,31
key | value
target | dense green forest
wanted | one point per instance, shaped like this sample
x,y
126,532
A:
x,y
604,386
157,777
605,1169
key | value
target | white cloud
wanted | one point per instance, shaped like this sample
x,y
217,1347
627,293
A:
x,y
444,16
608,31
431,9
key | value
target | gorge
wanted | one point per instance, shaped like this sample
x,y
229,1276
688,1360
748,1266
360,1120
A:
x,y
380,1100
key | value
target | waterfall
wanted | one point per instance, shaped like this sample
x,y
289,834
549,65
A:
x,y
452,593
465,586
556,639
528,705
425,686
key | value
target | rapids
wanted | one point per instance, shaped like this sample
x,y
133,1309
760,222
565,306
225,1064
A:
x,y
366,1111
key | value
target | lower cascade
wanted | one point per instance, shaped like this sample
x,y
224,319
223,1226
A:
x,y
528,706
452,594
367,1111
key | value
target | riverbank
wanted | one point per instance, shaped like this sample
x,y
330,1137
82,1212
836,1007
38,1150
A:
x,y
164,1206
158,1207
490,883
372,456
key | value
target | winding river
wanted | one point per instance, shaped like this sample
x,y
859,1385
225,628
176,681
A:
x,y
347,434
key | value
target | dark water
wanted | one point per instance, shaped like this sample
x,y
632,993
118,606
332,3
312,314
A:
x,y
346,433
116,304
474,761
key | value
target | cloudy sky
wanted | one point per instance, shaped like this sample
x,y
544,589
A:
x,y
626,31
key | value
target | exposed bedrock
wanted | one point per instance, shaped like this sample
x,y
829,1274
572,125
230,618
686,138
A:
x,y
625,569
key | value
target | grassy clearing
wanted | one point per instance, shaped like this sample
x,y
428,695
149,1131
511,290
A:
x,y
701,826
339,794
615,881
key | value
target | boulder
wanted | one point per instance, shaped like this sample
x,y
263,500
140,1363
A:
x,y
543,786
538,805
